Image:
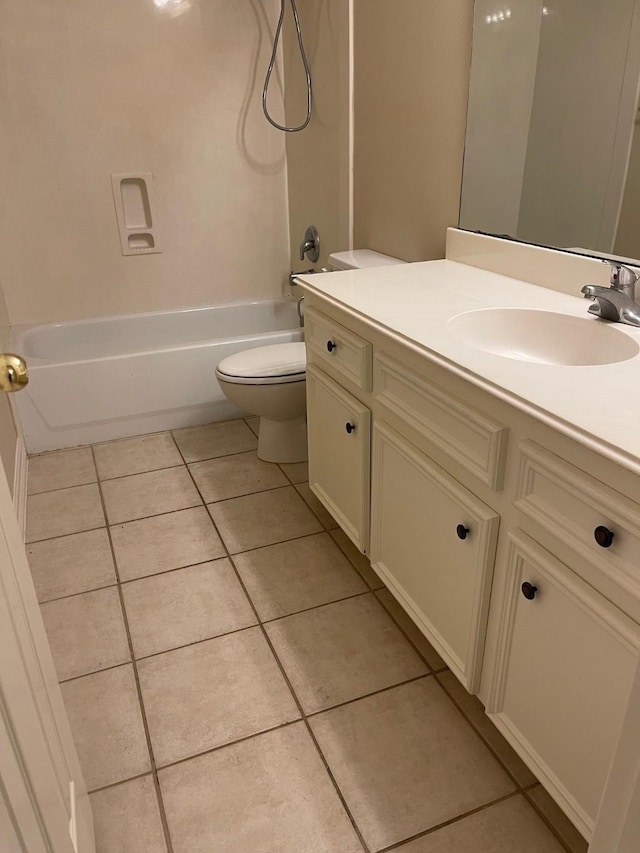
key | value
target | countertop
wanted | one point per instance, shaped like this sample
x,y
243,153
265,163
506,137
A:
x,y
597,405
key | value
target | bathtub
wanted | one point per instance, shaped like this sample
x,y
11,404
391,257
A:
x,y
111,377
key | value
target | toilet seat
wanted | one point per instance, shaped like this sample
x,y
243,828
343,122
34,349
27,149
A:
x,y
273,365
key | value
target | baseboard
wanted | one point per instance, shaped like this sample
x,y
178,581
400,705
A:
x,y
20,485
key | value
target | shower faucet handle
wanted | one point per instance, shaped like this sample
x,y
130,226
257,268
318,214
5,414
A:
x,y
310,246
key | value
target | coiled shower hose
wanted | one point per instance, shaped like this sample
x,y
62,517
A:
x,y
272,63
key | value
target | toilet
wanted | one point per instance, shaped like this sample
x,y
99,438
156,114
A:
x,y
271,381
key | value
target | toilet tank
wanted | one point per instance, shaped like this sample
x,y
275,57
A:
x,y
360,259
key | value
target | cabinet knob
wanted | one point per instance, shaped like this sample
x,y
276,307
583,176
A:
x,y
462,531
529,590
603,536
350,428
331,346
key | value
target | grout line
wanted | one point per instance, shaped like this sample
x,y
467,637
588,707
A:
x,y
74,533
121,782
244,628
432,829
287,485
75,594
145,724
303,715
140,473
246,420
203,504
298,482
389,687
287,724
96,671
62,488
548,823
403,632
484,740
296,700
272,619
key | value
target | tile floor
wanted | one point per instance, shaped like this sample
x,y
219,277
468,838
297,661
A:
x,y
238,679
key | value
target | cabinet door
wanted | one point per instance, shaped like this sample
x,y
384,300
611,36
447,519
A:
x,y
566,658
433,543
339,428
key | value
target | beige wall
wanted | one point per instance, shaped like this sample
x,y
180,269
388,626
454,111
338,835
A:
x,y
412,62
318,157
8,432
91,88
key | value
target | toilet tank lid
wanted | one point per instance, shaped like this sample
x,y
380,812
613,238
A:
x,y
361,259
275,360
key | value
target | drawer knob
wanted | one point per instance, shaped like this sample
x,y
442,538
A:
x,y
350,428
603,536
331,346
462,531
529,590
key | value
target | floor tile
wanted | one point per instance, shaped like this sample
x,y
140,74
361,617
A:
x,y
60,470
71,564
406,623
153,493
297,472
106,724
473,710
253,424
263,519
86,632
511,826
232,476
211,440
406,760
341,651
358,560
269,794
62,512
212,693
558,820
136,455
126,818
296,575
325,518
163,542
185,606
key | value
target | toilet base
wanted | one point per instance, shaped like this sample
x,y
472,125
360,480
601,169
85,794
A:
x,y
283,441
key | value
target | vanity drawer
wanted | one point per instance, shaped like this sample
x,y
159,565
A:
x,y
466,434
581,512
336,348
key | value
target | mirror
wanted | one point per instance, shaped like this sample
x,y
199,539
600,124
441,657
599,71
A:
x,y
552,152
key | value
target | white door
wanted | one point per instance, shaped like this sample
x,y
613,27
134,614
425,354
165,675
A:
x,y
44,807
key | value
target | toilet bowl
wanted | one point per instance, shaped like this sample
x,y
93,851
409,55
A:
x,y
271,382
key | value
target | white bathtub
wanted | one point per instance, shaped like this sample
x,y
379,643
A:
x,y
95,380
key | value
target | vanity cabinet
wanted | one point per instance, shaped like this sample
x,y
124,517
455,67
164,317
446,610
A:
x,y
433,544
339,429
565,662
514,548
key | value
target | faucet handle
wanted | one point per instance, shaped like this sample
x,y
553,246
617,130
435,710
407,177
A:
x,y
621,275
310,246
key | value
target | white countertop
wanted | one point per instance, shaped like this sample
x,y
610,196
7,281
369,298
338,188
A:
x,y
597,405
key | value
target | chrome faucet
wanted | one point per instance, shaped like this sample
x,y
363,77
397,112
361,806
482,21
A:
x,y
310,246
618,301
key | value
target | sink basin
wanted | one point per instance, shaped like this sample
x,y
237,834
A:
x,y
543,337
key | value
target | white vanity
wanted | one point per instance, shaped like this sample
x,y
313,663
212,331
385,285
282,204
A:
x,y
498,497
